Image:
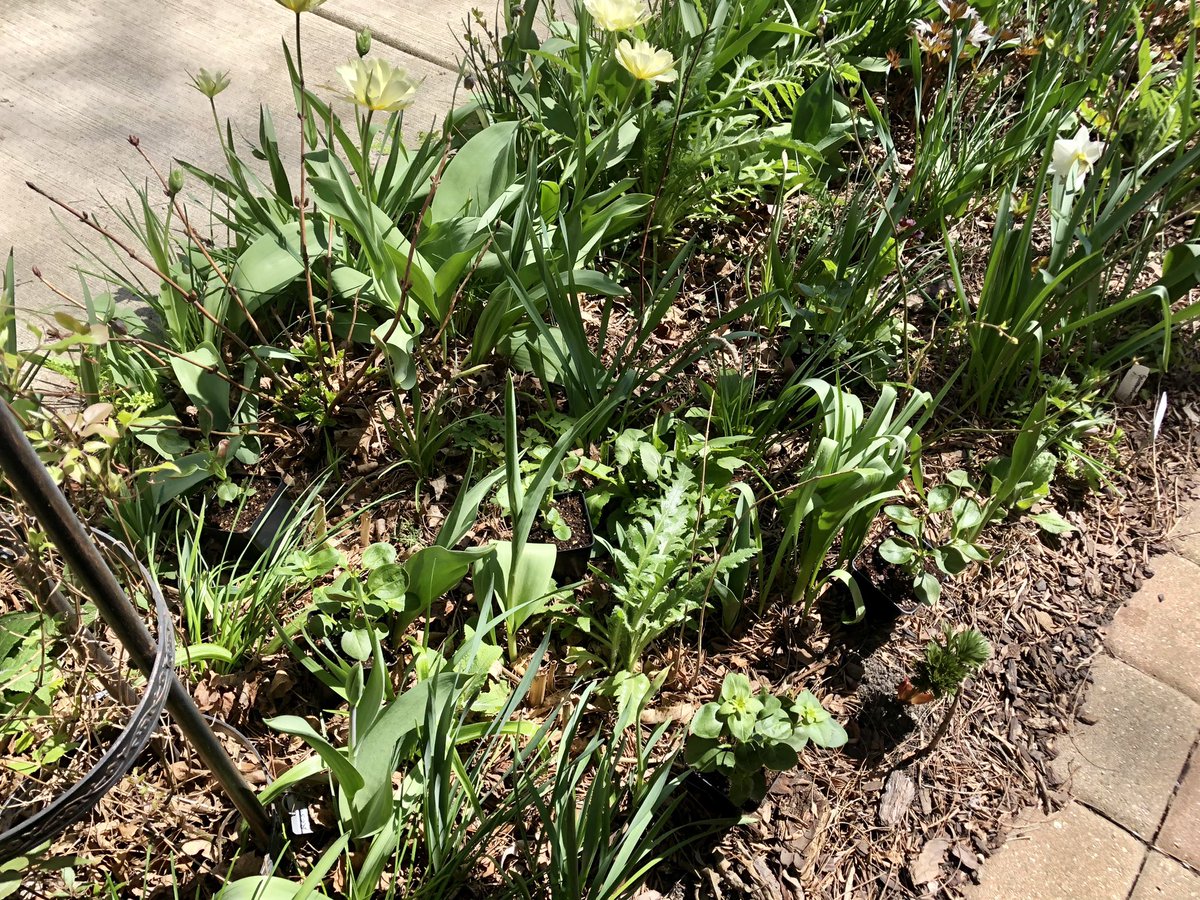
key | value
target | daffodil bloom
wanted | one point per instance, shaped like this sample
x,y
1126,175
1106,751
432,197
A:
x,y
378,85
299,6
646,63
1076,155
210,83
618,15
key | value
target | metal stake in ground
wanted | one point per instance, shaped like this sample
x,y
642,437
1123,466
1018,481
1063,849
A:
x,y
35,486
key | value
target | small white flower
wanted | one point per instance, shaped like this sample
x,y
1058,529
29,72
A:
x,y
646,63
978,35
618,15
956,11
1076,155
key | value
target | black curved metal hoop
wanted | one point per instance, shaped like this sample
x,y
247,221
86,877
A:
x,y
81,798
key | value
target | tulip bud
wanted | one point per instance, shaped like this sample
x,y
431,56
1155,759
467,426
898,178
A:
x,y
174,182
362,42
210,83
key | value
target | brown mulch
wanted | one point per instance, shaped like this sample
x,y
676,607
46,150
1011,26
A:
x,y
854,823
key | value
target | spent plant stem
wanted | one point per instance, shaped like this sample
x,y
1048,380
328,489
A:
x,y
189,296
181,212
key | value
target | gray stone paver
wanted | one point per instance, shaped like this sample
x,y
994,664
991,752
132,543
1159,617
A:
x,y
1158,630
1072,855
1180,835
1165,879
1127,764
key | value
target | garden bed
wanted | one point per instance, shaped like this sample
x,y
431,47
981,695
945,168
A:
x,y
585,415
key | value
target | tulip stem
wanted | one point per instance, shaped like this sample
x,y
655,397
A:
x,y
301,202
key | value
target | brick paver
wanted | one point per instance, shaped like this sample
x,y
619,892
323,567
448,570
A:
x,y
1127,764
1165,879
1180,834
1129,771
1072,855
1185,536
1156,631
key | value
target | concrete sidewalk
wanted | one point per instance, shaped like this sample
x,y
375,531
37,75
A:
x,y
77,77
1133,827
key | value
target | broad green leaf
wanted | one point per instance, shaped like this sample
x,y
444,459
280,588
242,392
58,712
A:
x,y
705,723
927,588
526,582
262,887
388,583
347,776
478,174
1052,522
896,553
432,571
813,112
196,372
940,498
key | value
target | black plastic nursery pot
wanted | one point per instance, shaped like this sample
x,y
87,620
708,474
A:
x,y
249,537
885,599
571,563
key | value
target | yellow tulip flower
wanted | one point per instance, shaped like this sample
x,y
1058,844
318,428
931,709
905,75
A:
x,y
646,63
378,85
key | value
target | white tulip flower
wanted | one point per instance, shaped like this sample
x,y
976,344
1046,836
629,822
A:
x,y
378,85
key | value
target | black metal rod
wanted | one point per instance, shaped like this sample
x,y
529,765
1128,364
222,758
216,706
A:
x,y
31,480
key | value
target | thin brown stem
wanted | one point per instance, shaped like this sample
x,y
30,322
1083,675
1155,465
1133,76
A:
x,y
189,296
181,212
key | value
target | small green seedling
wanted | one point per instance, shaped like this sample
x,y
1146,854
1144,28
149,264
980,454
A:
x,y
742,733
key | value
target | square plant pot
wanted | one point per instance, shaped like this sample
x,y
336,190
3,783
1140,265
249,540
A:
x,y
251,532
571,563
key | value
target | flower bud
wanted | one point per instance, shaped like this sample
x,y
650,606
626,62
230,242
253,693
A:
x,y
223,448
362,42
134,140
174,182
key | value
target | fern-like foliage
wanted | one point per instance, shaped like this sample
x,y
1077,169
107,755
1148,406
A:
x,y
666,564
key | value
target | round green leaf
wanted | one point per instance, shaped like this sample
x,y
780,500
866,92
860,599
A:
x,y
378,555
705,723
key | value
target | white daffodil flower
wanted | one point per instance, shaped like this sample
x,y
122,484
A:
x,y
618,15
378,85
1075,156
956,11
646,63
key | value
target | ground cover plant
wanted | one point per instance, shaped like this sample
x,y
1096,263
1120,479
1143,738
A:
x,y
594,496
